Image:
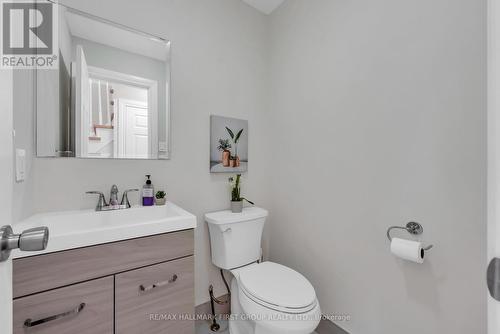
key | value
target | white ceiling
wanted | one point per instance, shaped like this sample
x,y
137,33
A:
x,y
265,6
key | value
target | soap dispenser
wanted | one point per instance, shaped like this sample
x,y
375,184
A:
x,y
148,193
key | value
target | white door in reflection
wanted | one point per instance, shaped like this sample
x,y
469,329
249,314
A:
x,y
83,102
133,129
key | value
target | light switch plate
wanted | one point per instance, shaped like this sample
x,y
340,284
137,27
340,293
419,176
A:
x,y
20,165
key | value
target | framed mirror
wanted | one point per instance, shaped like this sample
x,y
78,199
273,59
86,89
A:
x,y
110,97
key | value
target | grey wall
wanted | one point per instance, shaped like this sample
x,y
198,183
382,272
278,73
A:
x,y
218,67
388,99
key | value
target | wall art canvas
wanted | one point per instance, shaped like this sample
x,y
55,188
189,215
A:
x,y
228,145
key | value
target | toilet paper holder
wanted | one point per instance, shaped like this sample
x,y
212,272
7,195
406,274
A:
x,y
412,228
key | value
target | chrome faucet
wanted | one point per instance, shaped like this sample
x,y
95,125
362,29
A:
x,y
102,205
113,195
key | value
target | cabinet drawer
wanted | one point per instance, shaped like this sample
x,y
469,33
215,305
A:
x,y
43,272
85,308
147,299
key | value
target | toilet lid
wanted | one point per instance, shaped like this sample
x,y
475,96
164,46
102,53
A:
x,y
277,285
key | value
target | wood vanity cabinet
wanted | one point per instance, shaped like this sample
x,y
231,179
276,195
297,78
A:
x,y
165,290
90,307
143,285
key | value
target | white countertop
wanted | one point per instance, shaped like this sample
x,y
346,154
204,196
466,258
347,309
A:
x,y
75,229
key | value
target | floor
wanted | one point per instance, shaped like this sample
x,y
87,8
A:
x,y
203,327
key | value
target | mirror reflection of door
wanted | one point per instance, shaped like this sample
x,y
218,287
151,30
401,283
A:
x,y
111,97
114,113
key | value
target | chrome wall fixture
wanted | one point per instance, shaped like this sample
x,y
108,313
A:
x,y
413,228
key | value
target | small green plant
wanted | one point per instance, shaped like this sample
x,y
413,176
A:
x,y
236,190
235,139
224,145
160,194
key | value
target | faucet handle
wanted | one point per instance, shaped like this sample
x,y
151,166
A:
x,y
125,200
101,202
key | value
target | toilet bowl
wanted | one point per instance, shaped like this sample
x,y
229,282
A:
x,y
269,298
266,297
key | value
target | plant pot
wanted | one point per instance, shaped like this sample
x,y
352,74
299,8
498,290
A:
x,y
232,163
236,206
161,201
237,162
226,155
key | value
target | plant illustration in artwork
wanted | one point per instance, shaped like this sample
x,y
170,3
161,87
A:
x,y
228,144
235,159
224,147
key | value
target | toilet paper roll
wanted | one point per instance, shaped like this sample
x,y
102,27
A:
x,y
408,250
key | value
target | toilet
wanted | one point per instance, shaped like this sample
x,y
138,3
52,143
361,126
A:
x,y
266,297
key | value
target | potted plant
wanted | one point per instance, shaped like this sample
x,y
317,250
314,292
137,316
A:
x,y
160,197
224,147
235,139
236,199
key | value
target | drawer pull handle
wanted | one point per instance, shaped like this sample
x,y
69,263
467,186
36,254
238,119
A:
x,y
143,288
28,323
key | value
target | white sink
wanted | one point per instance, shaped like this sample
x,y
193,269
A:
x,y
74,229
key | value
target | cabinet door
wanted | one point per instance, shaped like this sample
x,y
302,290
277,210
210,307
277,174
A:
x,y
85,308
151,300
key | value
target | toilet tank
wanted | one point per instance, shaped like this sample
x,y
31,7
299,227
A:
x,y
235,238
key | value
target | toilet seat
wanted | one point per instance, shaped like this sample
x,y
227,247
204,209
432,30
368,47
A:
x,y
277,288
